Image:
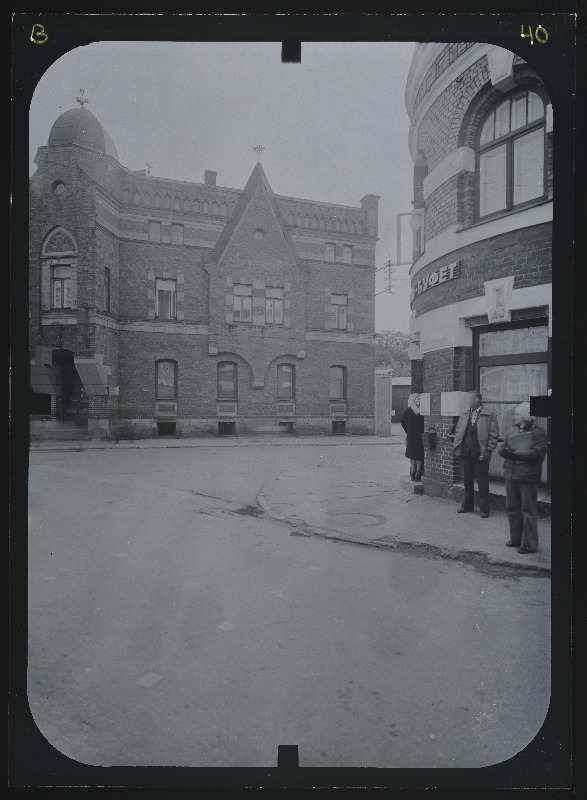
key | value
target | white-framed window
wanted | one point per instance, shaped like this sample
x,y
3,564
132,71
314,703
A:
x,y
273,306
154,231
166,379
61,287
338,310
176,234
165,299
285,382
330,252
242,305
337,383
511,154
347,254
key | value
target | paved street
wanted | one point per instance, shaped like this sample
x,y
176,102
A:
x,y
202,605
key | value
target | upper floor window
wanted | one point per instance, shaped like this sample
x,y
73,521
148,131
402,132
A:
x,y
61,287
337,383
273,306
165,299
338,310
106,298
154,231
511,154
176,234
285,382
226,389
347,254
330,252
243,294
166,379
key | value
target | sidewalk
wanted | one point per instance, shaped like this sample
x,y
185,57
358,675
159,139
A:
x,y
283,440
360,499
353,503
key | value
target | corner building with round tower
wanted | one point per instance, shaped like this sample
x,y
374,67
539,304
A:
x,y
481,142
161,307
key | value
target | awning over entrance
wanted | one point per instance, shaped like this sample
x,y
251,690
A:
x,y
45,378
93,375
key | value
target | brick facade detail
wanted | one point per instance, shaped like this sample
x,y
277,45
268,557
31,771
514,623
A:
x,y
97,225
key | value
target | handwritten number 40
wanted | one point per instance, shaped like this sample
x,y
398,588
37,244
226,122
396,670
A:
x,y
540,34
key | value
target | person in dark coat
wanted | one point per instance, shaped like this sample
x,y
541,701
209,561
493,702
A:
x,y
475,440
522,468
413,424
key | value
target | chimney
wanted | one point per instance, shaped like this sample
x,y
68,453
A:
x,y
210,178
370,205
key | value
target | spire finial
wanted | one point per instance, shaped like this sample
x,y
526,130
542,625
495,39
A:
x,y
81,99
258,149
149,167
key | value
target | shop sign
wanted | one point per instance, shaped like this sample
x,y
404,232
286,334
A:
x,y
442,275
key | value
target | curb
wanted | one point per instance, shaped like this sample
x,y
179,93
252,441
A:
x,y
395,544
78,448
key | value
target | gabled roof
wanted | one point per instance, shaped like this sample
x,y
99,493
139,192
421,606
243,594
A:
x,y
257,181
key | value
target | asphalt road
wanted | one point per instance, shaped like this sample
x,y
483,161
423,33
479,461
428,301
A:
x,y
168,626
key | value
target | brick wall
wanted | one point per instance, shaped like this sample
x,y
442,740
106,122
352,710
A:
x,y
439,376
524,253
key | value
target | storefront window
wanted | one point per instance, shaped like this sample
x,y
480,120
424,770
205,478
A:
x,y
512,366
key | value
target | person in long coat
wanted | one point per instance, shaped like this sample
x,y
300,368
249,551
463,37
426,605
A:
x,y
413,424
522,470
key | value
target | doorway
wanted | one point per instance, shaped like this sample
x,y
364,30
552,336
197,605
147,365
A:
x,y
512,364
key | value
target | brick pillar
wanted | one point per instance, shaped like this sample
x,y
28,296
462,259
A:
x,y
417,376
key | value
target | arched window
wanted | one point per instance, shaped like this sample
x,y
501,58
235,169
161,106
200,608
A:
x,y
166,378
511,154
227,380
285,382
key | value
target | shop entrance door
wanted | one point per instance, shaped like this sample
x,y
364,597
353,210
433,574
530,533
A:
x,y
512,364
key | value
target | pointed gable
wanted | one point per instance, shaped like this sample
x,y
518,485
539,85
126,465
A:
x,y
256,208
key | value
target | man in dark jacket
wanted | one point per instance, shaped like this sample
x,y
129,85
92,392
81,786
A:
x,y
475,440
523,449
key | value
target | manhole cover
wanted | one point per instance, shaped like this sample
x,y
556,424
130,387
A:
x,y
353,519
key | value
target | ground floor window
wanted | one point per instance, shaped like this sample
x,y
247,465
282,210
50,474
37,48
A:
x,y
226,428
286,427
512,364
166,428
338,426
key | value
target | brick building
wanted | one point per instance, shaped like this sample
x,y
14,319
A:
x,y
161,307
481,142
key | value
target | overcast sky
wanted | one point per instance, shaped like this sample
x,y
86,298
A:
x,y
334,127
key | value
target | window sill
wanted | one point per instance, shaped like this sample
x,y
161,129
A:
x,y
502,214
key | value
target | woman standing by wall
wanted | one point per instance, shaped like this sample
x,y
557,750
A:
x,y
413,424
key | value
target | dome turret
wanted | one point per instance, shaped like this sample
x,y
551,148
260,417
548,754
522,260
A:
x,y
80,126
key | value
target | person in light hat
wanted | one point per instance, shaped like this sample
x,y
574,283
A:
x,y
523,451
